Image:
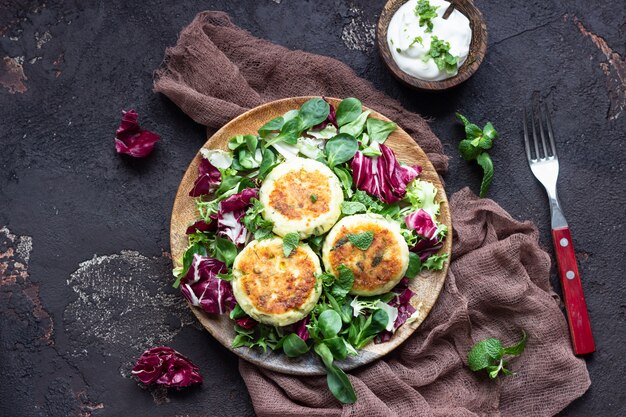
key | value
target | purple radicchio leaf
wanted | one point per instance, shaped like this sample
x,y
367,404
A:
x,y
231,213
402,301
300,328
202,288
165,366
427,247
246,322
132,140
422,222
382,176
208,180
202,226
424,225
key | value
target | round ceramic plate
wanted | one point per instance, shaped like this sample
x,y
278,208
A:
x,y
426,286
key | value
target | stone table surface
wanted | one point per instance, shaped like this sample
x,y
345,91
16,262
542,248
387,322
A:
x,y
84,232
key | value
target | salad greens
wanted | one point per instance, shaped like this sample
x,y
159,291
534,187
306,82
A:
x,y
231,215
475,146
489,355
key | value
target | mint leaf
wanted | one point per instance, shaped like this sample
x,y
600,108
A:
x,y
369,202
468,151
352,207
488,355
489,132
484,353
362,240
290,243
517,348
484,160
343,284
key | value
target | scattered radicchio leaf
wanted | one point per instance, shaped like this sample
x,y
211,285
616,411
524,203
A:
x,y
246,322
301,330
382,176
422,222
231,213
202,288
167,367
402,301
332,118
202,226
208,180
131,140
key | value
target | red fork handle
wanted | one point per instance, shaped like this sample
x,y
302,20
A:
x,y
575,305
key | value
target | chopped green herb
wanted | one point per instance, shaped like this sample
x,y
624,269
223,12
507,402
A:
x,y
419,40
313,198
440,52
398,50
488,354
426,13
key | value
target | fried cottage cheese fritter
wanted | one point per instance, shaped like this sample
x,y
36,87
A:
x,y
379,268
273,289
302,196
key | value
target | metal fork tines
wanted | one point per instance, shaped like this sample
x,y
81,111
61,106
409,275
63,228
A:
x,y
542,157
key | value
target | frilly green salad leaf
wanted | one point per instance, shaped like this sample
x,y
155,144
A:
x,y
231,215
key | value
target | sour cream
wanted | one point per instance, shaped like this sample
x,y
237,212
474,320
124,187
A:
x,y
410,55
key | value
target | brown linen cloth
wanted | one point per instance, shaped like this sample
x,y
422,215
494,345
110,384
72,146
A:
x,y
498,280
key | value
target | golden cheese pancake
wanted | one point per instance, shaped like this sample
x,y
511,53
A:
x,y
378,268
274,289
302,196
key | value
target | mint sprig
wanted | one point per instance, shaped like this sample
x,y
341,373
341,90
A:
x,y
489,355
475,146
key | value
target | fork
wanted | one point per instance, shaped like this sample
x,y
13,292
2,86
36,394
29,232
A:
x,y
545,167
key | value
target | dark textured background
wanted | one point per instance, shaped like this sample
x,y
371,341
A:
x,y
84,251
